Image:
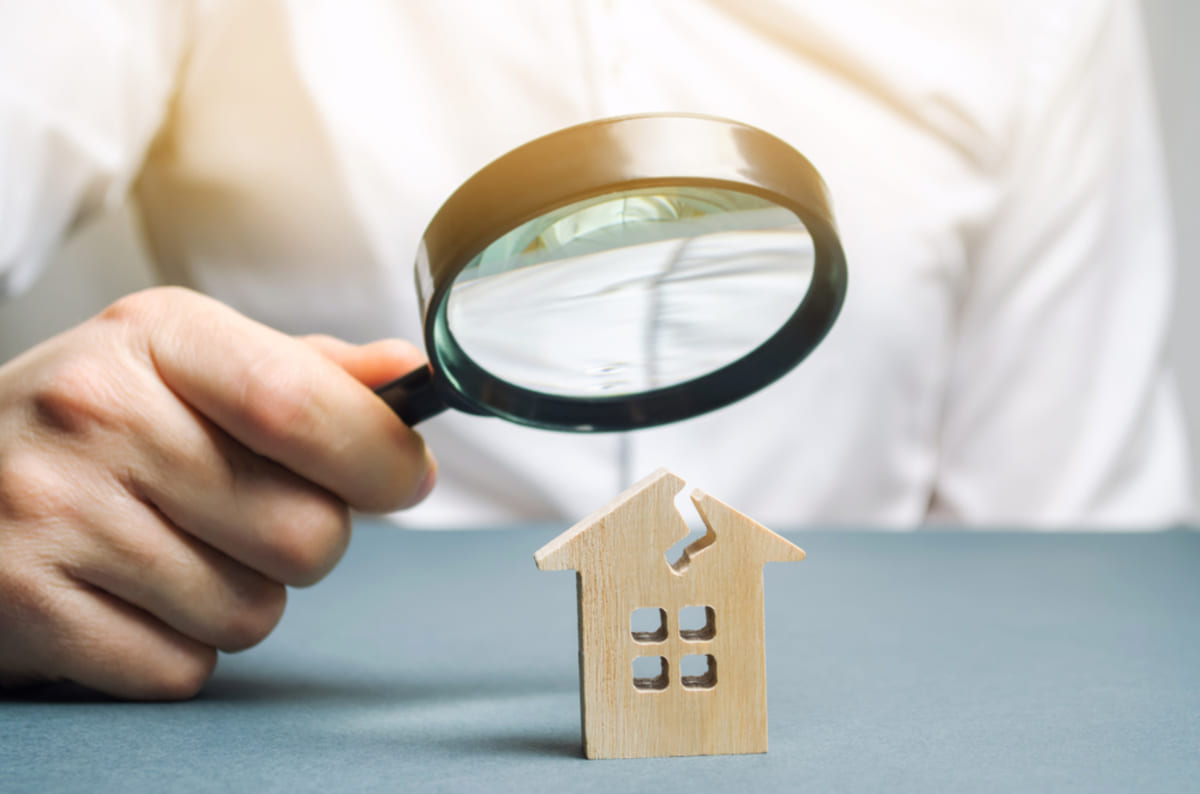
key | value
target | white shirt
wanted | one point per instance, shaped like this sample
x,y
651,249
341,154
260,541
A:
x,y
994,166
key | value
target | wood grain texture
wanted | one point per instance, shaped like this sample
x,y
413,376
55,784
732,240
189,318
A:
x,y
619,553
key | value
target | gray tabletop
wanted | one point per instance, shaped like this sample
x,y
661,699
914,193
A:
x,y
904,662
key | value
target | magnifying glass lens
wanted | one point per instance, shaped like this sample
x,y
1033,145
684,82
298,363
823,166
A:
x,y
633,291
624,273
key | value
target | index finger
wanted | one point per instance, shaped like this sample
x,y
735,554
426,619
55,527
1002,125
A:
x,y
282,399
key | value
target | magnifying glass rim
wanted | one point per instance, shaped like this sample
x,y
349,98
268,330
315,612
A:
x,y
613,156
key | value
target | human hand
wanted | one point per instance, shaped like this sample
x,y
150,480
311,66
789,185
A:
x,y
166,468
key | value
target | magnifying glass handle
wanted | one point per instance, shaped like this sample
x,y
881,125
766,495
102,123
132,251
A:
x,y
413,396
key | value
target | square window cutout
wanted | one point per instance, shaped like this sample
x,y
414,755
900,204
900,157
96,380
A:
x,y
698,671
697,623
648,624
651,672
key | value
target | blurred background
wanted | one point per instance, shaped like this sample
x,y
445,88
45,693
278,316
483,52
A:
x,y
106,259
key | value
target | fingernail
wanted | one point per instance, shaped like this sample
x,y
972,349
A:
x,y
427,482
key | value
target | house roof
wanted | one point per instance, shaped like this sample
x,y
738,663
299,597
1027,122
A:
x,y
645,514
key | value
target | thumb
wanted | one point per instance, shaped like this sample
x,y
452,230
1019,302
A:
x,y
372,364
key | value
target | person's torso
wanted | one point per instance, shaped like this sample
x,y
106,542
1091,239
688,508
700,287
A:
x,y
310,144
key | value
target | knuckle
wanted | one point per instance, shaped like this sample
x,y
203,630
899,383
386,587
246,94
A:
x,y
310,538
132,309
277,401
32,488
26,600
80,396
142,307
179,677
249,624
140,551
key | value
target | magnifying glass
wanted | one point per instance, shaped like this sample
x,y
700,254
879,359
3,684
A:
x,y
624,273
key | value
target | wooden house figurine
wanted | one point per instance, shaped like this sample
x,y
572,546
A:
x,y
690,680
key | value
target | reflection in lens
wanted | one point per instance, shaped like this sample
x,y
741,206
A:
x,y
632,291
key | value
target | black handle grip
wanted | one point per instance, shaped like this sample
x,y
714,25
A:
x,y
413,397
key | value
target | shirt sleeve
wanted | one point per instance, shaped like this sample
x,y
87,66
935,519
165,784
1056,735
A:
x,y
1059,409
84,86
